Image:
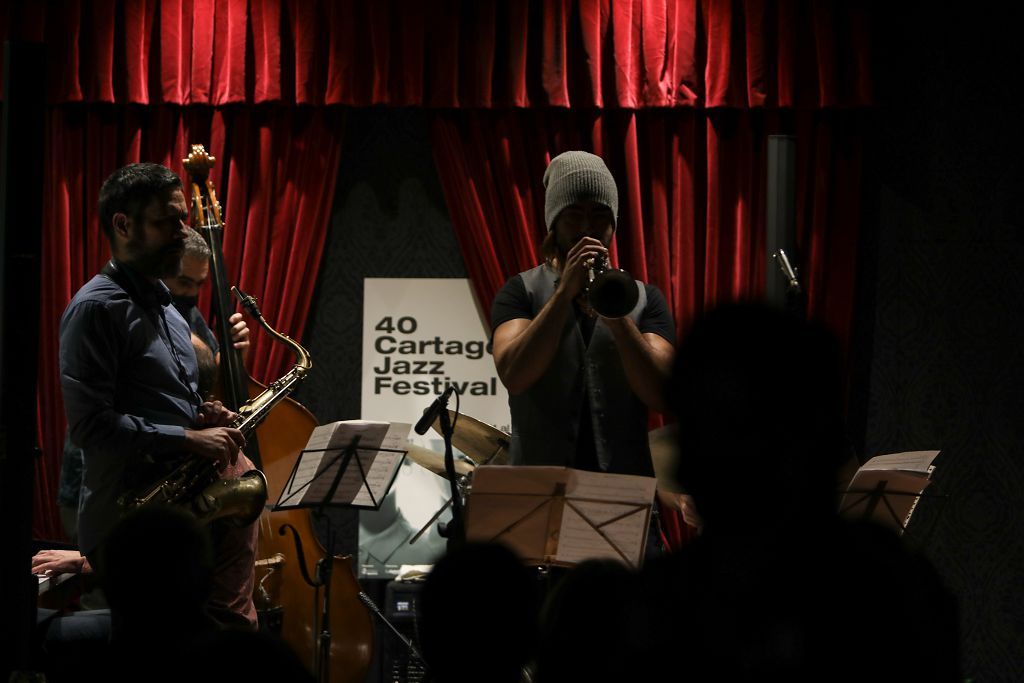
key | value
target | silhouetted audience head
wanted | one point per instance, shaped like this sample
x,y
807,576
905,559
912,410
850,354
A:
x,y
155,569
478,615
592,625
235,655
758,396
778,587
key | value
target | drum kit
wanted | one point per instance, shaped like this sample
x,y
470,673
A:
x,y
480,444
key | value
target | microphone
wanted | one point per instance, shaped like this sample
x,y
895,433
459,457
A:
x,y
788,271
433,410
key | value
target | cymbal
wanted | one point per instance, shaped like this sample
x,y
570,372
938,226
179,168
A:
x,y
665,457
480,441
433,461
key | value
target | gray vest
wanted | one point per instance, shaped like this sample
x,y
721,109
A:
x,y
546,417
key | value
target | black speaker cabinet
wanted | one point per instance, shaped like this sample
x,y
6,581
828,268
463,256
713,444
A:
x,y
401,609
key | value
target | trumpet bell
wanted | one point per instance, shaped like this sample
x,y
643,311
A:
x,y
613,293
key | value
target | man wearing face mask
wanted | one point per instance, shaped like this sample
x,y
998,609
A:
x,y
185,286
580,385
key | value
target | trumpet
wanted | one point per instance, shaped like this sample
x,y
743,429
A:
x,y
610,292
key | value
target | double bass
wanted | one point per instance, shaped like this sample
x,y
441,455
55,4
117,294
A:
x,y
285,601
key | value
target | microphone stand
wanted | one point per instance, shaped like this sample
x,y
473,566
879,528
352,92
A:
x,y
455,531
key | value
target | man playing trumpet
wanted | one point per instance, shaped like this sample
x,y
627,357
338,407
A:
x,y
580,384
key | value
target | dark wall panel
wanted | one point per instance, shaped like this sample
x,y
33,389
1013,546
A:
x,y
947,280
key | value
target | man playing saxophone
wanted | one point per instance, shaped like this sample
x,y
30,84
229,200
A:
x,y
129,372
184,288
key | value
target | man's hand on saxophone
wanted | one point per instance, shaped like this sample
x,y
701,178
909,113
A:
x,y
220,444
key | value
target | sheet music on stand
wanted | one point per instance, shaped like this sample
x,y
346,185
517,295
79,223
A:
x,y
380,448
887,488
561,516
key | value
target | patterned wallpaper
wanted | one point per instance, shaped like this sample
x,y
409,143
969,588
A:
x,y
946,374
389,220
943,320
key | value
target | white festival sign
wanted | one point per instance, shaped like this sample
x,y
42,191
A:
x,y
419,335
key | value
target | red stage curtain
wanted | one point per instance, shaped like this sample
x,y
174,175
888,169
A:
x,y
452,53
691,201
691,197
275,177
676,94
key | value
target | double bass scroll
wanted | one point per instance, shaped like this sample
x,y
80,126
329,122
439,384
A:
x,y
234,386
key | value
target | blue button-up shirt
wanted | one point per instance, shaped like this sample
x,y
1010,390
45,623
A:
x,y
130,382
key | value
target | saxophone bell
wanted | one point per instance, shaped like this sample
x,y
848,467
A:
x,y
196,486
241,500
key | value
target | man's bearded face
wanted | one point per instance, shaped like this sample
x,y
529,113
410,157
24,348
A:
x,y
156,236
583,219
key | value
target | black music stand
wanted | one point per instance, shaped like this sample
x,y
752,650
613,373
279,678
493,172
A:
x,y
887,497
345,455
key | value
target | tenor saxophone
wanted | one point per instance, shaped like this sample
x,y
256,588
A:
x,y
195,484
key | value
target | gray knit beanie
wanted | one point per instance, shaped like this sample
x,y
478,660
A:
x,y
576,176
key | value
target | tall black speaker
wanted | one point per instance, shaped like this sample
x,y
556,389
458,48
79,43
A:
x,y
782,284
401,607
21,204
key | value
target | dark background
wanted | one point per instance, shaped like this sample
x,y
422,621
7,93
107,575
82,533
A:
x,y
940,315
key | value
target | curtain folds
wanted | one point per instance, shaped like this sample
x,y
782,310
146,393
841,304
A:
x,y
691,197
454,53
275,177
